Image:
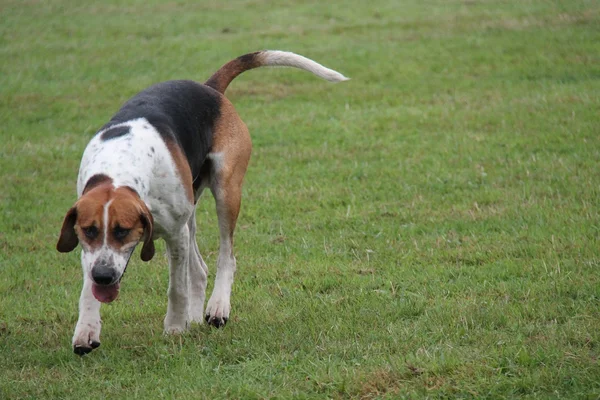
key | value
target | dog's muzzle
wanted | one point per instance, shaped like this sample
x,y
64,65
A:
x,y
103,272
106,282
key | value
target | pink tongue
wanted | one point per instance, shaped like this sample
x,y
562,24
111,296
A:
x,y
105,294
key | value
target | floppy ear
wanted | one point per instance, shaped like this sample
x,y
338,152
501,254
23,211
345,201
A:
x,y
147,221
68,238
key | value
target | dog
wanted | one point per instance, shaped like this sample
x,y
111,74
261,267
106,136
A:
x,y
140,179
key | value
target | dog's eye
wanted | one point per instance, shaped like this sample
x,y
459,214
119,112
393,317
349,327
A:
x,y
121,233
90,232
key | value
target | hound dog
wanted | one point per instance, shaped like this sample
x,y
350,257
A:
x,y
140,179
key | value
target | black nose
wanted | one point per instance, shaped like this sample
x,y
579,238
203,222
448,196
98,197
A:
x,y
103,274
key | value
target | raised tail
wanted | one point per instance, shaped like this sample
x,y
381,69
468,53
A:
x,y
223,77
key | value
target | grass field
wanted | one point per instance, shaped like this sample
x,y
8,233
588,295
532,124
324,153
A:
x,y
429,229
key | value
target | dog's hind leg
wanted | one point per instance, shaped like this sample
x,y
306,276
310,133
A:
x,y
218,307
197,275
229,158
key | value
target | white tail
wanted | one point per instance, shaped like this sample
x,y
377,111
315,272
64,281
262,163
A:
x,y
288,59
274,58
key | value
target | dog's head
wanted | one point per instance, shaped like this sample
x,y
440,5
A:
x,y
108,222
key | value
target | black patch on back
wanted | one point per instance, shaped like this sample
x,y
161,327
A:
x,y
115,132
182,111
96,180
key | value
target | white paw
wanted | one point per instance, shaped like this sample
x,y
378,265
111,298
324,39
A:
x,y
86,337
217,310
196,315
196,308
174,325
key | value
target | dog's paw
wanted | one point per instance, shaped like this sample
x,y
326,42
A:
x,y
217,311
83,350
175,329
196,309
197,317
216,321
86,337
175,326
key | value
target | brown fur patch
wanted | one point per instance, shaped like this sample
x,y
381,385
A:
x,y
232,139
181,163
223,77
90,213
125,212
96,180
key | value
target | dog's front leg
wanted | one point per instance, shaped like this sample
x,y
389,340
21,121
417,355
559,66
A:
x,y
87,331
177,319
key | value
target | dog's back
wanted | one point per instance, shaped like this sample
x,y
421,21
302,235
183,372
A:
x,y
184,112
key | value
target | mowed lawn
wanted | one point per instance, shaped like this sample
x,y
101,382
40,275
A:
x,y
428,229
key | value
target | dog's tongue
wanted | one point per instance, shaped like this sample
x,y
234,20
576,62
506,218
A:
x,y
105,294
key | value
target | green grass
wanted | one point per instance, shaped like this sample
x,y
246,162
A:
x,y
428,229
